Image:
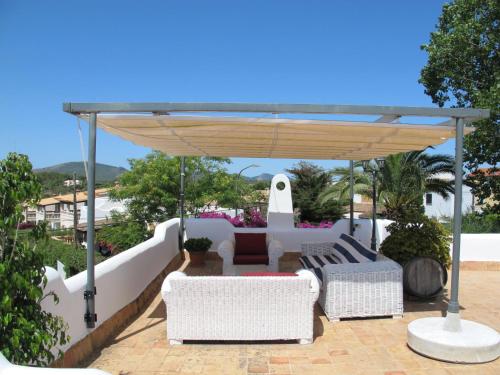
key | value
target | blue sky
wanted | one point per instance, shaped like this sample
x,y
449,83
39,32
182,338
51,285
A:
x,y
356,52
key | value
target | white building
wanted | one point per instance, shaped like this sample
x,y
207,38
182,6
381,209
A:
x,y
104,207
57,211
438,207
71,182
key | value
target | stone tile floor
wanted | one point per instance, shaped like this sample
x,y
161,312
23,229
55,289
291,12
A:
x,y
367,346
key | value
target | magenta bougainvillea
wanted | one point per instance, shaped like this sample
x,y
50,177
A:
x,y
253,219
323,224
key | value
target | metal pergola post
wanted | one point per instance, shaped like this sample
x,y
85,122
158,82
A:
x,y
90,317
351,197
453,306
181,207
374,213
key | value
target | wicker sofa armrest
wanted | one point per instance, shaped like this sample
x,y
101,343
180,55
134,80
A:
x,y
226,250
166,286
317,248
275,249
314,282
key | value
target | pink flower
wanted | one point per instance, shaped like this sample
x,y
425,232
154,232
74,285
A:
x,y
255,219
323,224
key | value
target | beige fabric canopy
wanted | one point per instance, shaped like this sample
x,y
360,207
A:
x,y
273,137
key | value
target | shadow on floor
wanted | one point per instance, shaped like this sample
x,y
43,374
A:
x,y
438,303
159,311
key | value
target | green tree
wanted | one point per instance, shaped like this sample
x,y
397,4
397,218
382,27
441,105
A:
x,y
27,333
122,234
401,182
151,187
308,181
463,69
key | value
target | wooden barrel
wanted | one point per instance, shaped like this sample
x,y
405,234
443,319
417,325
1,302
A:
x,y
424,277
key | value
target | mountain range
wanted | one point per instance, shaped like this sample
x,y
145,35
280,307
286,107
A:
x,y
103,173
108,173
260,177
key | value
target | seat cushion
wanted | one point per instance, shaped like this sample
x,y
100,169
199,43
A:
x,y
315,263
350,250
250,244
269,274
251,259
318,261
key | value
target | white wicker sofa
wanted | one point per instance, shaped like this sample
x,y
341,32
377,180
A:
x,y
240,307
226,252
351,290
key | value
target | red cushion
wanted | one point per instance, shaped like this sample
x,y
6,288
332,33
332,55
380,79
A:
x,y
269,274
250,244
251,259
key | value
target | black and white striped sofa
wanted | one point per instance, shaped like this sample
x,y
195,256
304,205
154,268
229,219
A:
x,y
355,280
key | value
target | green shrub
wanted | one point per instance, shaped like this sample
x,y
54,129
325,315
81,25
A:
x,y
477,223
27,333
123,234
198,244
416,235
74,260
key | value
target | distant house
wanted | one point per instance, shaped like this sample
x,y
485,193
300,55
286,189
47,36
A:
x,y
438,207
57,211
71,182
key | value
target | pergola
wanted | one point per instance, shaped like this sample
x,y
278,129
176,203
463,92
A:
x,y
250,130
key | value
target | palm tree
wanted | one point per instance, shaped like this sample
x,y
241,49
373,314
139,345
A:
x,y
401,182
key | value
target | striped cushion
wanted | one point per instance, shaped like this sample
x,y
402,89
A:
x,y
350,250
316,262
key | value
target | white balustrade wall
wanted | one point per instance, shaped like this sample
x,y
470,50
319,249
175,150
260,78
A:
x,y
119,281
474,247
481,247
292,238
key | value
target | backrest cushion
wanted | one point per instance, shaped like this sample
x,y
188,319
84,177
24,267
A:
x,y
269,274
250,244
350,250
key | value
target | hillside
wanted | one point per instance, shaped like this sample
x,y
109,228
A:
x,y
261,177
104,173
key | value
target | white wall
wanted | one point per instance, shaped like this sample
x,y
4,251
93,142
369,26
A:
x,y
441,207
482,247
119,280
103,209
219,229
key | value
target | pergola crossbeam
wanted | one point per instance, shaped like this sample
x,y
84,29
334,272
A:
x,y
466,113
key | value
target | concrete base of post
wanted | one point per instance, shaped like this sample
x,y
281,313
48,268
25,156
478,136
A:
x,y
452,339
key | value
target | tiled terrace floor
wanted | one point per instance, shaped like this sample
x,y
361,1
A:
x,y
369,346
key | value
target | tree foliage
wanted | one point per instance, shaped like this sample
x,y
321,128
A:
x,y
27,333
122,234
308,181
414,234
401,182
151,187
463,69
53,183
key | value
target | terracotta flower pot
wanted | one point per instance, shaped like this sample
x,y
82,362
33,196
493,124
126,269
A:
x,y
197,258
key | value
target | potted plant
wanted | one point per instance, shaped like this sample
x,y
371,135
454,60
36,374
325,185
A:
x,y
197,248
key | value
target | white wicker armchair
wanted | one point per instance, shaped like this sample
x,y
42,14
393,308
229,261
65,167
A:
x,y
240,307
226,251
359,289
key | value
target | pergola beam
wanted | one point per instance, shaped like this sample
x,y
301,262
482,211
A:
x,y
466,113
387,118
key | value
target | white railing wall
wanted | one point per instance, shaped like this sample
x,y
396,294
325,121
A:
x,y
219,229
119,281
481,247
